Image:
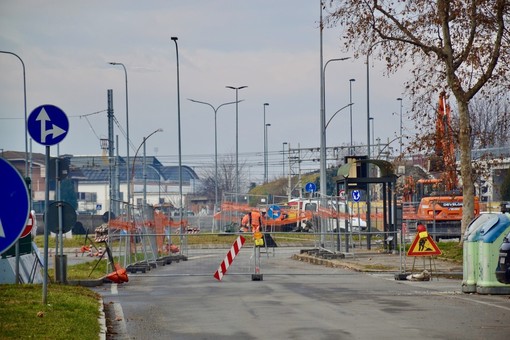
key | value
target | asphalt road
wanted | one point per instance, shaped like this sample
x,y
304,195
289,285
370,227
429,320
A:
x,y
328,303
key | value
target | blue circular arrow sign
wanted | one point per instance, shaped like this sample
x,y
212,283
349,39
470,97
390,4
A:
x,y
274,212
48,125
14,203
356,195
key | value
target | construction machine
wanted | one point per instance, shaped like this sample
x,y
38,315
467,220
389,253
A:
x,y
440,197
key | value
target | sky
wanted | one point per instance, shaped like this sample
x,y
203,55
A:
x,y
272,47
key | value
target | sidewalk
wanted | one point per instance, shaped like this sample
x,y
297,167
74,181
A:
x,y
374,261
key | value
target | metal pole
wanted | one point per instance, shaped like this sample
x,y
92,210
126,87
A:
x,y
350,112
179,133
127,142
215,150
265,144
283,158
237,135
26,155
400,100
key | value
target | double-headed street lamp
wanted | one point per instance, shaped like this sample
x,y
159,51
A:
x,y
127,140
179,134
265,144
215,148
237,134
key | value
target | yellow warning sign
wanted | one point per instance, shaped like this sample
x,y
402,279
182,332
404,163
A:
x,y
423,246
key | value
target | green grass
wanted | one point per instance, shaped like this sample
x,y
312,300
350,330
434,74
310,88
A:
x,y
451,251
71,312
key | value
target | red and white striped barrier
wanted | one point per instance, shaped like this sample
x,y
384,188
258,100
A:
x,y
234,250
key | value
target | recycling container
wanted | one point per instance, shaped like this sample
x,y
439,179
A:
x,y
470,250
490,240
503,268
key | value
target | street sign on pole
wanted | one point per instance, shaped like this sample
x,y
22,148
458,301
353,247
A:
x,y
48,125
14,203
310,187
356,195
274,212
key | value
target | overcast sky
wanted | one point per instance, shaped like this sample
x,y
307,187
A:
x,y
270,46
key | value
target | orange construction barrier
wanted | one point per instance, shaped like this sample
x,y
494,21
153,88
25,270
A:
x,y
119,275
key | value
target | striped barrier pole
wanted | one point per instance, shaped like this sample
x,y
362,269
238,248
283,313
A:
x,y
234,250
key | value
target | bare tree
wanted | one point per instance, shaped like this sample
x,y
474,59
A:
x,y
458,46
226,177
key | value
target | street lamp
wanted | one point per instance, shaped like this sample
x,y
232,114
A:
x,y
25,104
215,148
237,134
350,110
400,100
179,134
323,119
127,140
134,162
266,150
16,247
265,144
283,158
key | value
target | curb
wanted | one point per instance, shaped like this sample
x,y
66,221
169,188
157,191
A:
x,y
346,264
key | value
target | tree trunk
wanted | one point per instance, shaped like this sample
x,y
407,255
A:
x,y
465,164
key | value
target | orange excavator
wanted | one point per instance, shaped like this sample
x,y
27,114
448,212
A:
x,y
441,203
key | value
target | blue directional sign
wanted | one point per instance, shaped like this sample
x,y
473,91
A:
x,y
274,212
14,205
48,125
356,195
310,187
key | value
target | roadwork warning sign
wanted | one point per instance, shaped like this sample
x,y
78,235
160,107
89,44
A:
x,y
423,245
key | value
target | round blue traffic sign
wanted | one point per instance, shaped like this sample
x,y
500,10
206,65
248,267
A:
x,y
310,187
14,203
356,195
47,125
274,212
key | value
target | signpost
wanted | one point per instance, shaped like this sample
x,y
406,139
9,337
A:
x,y
48,125
274,212
310,187
15,203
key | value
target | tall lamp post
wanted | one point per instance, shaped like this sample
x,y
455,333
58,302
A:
x,y
266,150
215,148
400,100
323,120
127,140
16,247
350,111
237,134
283,158
179,133
265,144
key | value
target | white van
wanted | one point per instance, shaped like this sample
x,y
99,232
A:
x,y
314,205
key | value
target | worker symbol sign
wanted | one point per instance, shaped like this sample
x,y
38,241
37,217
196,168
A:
x,y
423,245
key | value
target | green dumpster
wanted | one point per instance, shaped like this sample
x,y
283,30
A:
x,y
470,250
490,240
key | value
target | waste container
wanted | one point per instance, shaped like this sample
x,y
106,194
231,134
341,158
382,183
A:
x,y
503,268
470,250
490,240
